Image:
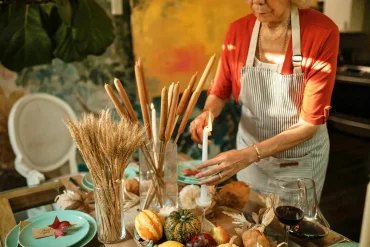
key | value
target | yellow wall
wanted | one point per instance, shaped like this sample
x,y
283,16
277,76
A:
x,y
175,38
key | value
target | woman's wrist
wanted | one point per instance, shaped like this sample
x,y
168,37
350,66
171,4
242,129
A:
x,y
250,156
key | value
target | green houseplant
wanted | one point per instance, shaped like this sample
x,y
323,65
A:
x,y
33,32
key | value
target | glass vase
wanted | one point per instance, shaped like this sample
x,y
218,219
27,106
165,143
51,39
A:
x,y
158,176
109,210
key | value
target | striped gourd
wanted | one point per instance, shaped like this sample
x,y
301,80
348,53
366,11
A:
x,y
148,225
181,226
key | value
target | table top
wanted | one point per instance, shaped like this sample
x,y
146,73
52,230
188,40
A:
x,y
19,199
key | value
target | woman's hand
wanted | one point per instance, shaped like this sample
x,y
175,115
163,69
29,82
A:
x,y
197,125
227,164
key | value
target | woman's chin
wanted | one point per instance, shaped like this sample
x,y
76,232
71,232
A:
x,y
264,17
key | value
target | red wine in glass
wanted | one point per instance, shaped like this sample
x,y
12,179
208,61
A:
x,y
289,215
307,230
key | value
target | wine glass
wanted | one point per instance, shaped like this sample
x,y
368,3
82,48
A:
x,y
289,203
314,225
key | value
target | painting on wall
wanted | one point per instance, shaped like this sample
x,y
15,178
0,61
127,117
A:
x,y
176,38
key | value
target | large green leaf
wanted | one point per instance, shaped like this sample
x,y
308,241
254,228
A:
x,y
65,11
51,20
23,41
4,16
66,47
4,12
95,28
91,33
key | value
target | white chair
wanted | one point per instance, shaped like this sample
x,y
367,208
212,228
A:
x,y
39,136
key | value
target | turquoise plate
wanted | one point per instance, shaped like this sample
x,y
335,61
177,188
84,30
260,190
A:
x,y
74,234
345,245
11,239
88,182
190,164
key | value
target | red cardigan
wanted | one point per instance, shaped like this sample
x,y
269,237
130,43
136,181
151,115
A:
x,y
319,47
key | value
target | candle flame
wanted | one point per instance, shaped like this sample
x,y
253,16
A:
x,y
209,122
151,106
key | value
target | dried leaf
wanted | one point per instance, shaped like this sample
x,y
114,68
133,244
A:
x,y
258,227
255,218
238,219
268,216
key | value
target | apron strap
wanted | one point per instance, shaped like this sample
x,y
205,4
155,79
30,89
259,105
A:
x,y
296,42
253,44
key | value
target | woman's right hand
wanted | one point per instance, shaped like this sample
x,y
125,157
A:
x,y
198,124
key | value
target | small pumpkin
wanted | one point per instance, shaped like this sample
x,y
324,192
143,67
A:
x,y
253,237
181,226
229,244
171,244
148,225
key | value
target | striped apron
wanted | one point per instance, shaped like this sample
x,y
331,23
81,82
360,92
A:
x,y
271,103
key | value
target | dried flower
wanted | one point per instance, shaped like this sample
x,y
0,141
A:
x,y
188,196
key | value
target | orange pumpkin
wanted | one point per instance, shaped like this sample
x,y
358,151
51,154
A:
x,y
148,225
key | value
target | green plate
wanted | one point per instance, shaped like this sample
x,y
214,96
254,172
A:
x,y
74,234
190,164
11,239
345,245
88,182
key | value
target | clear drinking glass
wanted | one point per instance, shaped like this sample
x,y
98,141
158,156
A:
x,y
109,210
158,184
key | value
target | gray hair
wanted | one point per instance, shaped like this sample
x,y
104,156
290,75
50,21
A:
x,y
302,4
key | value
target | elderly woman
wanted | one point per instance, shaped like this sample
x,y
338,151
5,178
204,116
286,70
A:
x,y
279,63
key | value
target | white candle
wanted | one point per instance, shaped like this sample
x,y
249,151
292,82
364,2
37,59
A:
x,y
154,124
117,7
206,130
365,229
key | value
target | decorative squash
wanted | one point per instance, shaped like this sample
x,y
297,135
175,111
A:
x,y
252,237
229,244
181,226
171,244
166,211
148,225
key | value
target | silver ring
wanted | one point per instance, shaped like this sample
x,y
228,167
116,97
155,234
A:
x,y
220,175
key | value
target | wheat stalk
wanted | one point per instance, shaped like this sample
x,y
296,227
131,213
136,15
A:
x,y
107,146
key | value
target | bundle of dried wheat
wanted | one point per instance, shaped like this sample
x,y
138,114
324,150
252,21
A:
x,y
107,146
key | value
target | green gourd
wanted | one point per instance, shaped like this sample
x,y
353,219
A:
x,y
181,226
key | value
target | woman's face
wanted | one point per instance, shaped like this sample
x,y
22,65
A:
x,y
269,10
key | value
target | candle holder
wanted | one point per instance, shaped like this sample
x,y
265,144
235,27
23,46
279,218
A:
x,y
204,202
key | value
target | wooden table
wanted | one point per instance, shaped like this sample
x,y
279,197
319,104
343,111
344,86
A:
x,y
25,198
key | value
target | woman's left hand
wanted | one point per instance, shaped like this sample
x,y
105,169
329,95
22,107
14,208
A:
x,y
226,164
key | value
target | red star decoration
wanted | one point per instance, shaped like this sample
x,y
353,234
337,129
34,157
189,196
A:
x,y
59,226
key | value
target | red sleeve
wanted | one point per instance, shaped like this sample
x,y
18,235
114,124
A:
x,y
222,84
320,81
